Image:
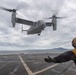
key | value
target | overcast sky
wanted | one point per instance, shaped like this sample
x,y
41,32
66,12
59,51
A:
x,y
12,38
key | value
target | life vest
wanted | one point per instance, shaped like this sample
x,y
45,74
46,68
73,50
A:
x,y
74,51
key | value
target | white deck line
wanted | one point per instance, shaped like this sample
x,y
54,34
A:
x,y
26,67
30,72
45,69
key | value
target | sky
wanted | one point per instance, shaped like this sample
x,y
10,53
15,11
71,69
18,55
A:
x,y
34,10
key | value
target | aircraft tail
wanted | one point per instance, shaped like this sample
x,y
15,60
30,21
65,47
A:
x,y
23,30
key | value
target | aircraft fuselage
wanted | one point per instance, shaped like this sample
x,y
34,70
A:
x,y
37,27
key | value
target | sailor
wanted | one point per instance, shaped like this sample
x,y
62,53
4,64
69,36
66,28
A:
x,y
64,57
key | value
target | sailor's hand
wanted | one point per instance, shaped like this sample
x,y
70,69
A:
x,y
49,59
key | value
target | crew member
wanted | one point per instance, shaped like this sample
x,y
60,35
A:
x,y
64,57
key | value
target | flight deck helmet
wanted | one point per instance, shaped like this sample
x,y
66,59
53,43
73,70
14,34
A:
x,y
74,42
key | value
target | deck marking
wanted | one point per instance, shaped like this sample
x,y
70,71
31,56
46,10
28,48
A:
x,y
43,70
66,69
30,72
26,67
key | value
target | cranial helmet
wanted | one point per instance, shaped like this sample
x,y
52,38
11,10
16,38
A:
x,y
74,42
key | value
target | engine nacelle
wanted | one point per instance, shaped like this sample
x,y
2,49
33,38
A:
x,y
54,27
13,18
54,23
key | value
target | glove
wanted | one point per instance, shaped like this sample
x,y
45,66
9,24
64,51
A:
x,y
49,59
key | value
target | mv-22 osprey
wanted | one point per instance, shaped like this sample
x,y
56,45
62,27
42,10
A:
x,y
35,27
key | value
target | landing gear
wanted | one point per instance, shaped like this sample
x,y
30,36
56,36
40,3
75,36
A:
x,y
43,29
38,34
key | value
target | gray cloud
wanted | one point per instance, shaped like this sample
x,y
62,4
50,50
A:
x,y
12,38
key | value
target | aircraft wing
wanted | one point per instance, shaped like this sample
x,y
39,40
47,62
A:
x,y
48,23
23,21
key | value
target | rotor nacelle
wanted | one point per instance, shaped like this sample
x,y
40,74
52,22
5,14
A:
x,y
13,17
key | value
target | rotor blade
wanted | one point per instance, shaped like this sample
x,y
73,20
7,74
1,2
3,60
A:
x,y
56,17
55,12
60,17
48,18
9,10
22,5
